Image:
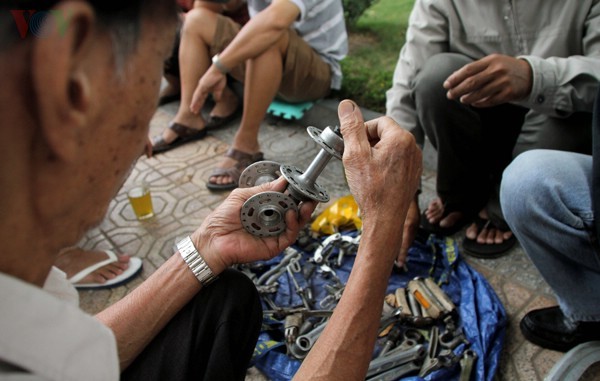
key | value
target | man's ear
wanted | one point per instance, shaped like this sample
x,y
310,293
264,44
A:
x,y
60,82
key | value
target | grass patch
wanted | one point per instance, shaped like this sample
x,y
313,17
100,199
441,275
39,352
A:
x,y
375,43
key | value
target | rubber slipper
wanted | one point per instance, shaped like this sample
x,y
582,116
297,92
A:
x,y
436,229
213,122
483,250
135,267
243,160
184,135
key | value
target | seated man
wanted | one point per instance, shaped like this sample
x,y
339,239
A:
x,y
551,201
289,49
485,81
75,112
235,9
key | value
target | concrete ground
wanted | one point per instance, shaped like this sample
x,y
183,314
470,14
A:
x,y
181,201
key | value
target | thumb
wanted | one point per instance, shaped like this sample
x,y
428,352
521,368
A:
x,y
352,123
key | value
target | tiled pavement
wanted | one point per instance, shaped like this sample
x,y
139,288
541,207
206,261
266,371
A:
x,y
181,201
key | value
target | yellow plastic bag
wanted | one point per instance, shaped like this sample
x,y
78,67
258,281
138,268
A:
x,y
342,214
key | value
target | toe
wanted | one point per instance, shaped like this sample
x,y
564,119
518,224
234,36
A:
x,y
471,232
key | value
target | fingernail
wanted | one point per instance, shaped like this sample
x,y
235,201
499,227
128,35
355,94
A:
x,y
346,108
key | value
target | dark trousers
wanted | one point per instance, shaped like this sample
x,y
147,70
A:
x,y
474,145
211,338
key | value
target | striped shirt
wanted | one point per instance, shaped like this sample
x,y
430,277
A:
x,y
322,26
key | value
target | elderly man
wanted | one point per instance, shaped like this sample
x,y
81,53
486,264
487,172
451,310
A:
x,y
75,111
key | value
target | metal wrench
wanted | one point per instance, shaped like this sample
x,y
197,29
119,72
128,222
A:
x,y
382,364
431,362
466,364
396,373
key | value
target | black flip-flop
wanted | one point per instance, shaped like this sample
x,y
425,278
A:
x,y
487,251
184,135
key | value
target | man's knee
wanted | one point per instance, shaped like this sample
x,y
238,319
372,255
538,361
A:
x,y
428,84
520,179
235,291
199,21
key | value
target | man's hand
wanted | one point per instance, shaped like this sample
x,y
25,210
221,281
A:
x,y
212,82
223,241
383,167
490,81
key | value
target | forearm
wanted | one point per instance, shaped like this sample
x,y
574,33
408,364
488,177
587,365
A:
x,y
344,349
137,318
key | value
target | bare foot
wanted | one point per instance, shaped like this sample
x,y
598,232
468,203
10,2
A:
x,y
435,214
74,260
489,234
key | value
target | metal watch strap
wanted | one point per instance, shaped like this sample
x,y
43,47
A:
x,y
194,260
219,65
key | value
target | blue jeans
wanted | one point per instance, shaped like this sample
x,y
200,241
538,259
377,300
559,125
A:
x,y
546,200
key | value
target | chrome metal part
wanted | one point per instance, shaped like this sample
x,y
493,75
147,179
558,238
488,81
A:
x,y
270,276
431,362
292,326
259,173
392,360
306,341
575,362
264,219
396,373
329,140
302,187
467,361
263,214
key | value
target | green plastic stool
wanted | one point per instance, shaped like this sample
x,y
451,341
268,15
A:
x,y
289,111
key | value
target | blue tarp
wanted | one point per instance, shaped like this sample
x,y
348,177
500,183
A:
x,y
482,315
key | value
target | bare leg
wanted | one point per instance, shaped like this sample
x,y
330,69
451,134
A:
x,y
197,33
263,77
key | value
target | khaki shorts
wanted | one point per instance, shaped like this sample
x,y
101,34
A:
x,y
305,77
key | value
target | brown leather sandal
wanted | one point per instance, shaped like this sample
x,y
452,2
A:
x,y
184,134
243,160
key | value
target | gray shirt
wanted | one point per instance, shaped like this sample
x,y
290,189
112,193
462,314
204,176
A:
x,y
322,26
559,38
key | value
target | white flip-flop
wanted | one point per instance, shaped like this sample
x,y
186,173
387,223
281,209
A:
x,y
135,267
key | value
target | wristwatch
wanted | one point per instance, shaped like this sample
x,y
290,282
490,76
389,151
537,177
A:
x,y
219,65
196,263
